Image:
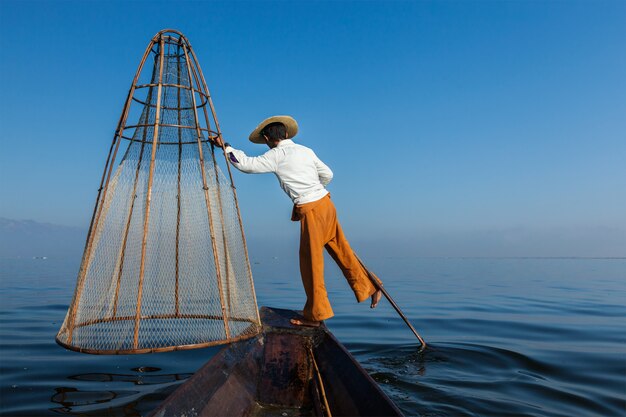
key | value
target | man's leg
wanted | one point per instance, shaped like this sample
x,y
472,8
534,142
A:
x,y
317,305
339,248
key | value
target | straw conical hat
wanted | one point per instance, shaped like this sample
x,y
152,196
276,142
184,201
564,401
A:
x,y
289,122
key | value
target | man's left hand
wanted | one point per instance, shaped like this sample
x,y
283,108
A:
x,y
217,141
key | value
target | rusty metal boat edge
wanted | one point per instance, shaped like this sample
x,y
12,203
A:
x,y
285,371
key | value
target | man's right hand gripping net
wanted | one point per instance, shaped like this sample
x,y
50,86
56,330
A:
x,y
165,265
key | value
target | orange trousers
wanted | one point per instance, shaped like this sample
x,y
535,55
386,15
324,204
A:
x,y
319,229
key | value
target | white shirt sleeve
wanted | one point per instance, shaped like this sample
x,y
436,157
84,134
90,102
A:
x,y
324,173
254,164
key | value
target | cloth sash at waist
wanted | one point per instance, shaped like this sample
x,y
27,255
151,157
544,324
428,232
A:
x,y
299,210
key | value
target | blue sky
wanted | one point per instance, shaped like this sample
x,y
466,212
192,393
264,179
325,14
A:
x,y
459,125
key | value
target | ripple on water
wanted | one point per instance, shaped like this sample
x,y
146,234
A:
x,y
483,380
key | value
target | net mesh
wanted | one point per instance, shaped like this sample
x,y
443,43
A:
x,y
165,265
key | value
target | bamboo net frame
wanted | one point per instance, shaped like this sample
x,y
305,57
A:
x,y
165,265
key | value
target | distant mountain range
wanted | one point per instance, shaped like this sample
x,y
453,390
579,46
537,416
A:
x,y
28,239
32,239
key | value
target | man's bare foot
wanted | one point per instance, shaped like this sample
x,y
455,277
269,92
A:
x,y
305,322
376,298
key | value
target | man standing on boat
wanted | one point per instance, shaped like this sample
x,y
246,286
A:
x,y
303,176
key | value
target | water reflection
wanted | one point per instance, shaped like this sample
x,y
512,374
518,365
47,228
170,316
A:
x,y
74,401
115,396
135,379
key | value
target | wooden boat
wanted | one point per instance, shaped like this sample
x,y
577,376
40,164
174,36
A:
x,y
285,371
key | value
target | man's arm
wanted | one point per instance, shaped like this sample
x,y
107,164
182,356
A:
x,y
250,165
324,173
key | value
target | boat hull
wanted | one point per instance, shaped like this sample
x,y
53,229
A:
x,y
287,370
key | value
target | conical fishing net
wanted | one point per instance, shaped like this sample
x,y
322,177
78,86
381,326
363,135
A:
x,y
165,264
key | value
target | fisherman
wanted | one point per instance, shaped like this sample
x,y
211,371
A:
x,y
303,176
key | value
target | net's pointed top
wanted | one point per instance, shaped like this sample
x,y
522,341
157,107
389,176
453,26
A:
x,y
169,30
163,32
171,33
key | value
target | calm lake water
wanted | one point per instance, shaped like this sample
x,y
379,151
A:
x,y
524,337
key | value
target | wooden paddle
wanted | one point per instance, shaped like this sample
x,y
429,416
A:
x,y
379,285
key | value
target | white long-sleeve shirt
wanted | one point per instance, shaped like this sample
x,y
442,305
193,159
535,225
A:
x,y
301,174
